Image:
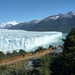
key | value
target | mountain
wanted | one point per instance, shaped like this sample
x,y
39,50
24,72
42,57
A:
x,y
60,22
25,25
7,25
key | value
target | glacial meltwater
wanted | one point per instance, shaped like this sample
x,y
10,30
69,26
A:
x,y
28,40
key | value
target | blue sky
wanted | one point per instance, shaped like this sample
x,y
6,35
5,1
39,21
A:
x,y
27,10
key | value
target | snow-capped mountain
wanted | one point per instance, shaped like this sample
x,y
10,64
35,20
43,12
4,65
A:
x,y
7,25
60,22
33,21
14,23
54,17
25,25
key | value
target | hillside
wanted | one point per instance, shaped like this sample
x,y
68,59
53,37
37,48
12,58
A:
x,y
60,22
15,59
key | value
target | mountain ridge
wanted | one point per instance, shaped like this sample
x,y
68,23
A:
x,y
60,22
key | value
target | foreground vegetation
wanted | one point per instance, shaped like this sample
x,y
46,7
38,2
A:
x,y
50,64
15,53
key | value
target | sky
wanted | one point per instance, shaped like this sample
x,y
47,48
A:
x,y
27,10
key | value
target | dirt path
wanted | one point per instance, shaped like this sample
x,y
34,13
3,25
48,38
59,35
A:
x,y
16,59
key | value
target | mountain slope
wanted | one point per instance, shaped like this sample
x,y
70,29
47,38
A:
x,y
60,22
25,25
7,25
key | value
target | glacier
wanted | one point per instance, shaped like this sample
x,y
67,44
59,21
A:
x,y
27,40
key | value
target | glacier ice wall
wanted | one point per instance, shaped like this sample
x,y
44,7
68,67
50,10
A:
x,y
17,39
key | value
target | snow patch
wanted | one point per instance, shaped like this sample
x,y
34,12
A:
x,y
12,22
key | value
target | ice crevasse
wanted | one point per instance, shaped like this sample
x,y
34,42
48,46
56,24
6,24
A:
x,y
12,40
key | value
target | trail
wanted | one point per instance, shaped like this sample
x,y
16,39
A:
x,y
16,59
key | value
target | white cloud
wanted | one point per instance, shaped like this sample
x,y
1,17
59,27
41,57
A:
x,y
12,22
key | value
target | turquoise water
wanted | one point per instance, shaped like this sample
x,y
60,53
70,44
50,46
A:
x,y
59,41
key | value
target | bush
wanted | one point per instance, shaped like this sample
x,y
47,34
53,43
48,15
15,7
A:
x,y
50,46
21,51
39,48
1,55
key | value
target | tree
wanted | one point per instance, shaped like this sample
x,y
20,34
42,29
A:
x,y
69,53
65,65
21,51
39,48
70,40
50,46
14,52
8,54
1,55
